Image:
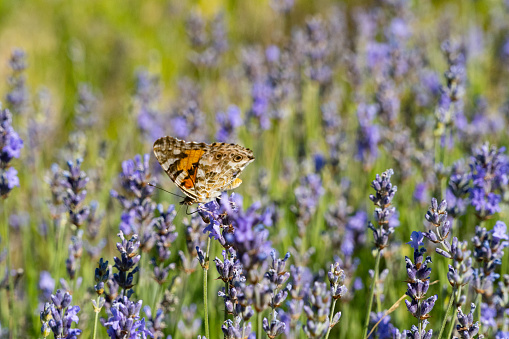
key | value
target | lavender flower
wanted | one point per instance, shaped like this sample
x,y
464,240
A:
x,y
46,285
58,316
318,51
208,46
18,96
10,147
187,120
335,138
124,320
413,333
457,191
74,181
368,135
466,327
155,322
488,252
440,226
275,328
244,230
135,199
418,280
237,295
307,196
317,312
301,282
189,325
165,232
72,263
102,274
449,113
233,329
127,261
228,122
146,100
489,172
285,6
86,108
382,199
384,329
277,276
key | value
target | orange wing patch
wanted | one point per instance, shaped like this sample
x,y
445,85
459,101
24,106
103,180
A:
x,y
190,164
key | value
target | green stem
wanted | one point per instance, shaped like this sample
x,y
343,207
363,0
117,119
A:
x,y
205,294
259,325
96,315
444,321
227,292
453,320
478,301
370,301
10,286
330,319
378,299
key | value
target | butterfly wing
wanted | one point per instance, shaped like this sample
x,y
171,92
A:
x,y
218,169
180,160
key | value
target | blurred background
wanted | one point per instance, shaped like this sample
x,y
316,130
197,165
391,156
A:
x,y
326,93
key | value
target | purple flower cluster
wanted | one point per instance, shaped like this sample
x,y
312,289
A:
x,y
18,96
135,199
317,311
146,100
450,112
208,45
489,172
467,328
187,119
165,235
307,196
334,136
458,188
124,320
368,135
418,274
384,211
74,182
488,251
228,123
58,317
439,225
10,147
245,231
126,264
239,297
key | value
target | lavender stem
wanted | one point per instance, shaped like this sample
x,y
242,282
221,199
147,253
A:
x,y
96,316
330,318
453,320
370,301
451,300
205,294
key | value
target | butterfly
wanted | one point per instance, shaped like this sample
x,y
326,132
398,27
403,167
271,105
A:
x,y
202,171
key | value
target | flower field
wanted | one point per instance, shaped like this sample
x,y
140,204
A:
x,y
254,169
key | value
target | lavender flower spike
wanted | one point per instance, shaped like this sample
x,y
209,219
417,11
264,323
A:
x,y
418,280
10,147
466,327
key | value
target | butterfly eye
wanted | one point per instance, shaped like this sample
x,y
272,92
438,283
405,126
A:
x,y
237,158
219,156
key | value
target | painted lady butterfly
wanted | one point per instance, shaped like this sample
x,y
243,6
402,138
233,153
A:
x,y
200,170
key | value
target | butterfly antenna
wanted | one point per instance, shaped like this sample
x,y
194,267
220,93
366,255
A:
x,y
162,189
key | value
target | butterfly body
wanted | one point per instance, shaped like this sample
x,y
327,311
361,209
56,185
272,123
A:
x,y
202,171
